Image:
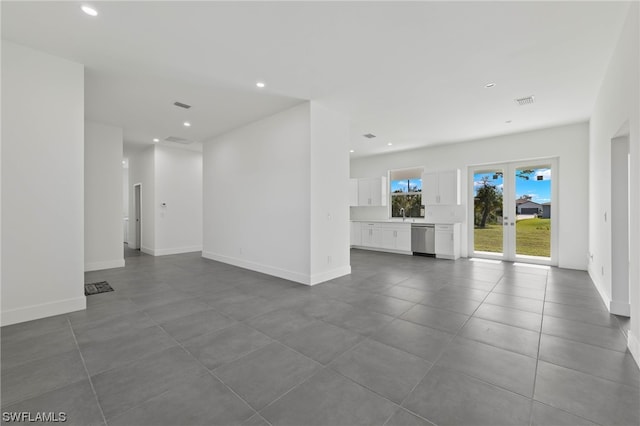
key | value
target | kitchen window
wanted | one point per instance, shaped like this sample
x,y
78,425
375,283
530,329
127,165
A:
x,y
406,193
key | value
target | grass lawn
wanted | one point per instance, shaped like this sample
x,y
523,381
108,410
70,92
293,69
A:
x,y
533,237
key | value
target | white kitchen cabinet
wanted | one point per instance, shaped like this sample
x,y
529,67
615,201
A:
x,y
448,241
387,236
353,192
396,236
403,238
441,187
372,191
370,234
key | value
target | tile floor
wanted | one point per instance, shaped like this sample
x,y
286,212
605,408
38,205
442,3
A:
x,y
401,341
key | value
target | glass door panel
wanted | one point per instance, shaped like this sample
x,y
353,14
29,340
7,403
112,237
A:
x,y
488,232
532,209
513,208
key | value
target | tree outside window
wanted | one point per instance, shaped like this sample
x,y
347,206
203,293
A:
x,y
406,193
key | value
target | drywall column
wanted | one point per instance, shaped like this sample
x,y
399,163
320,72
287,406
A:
x,y
256,195
617,107
329,190
103,197
276,195
178,200
42,185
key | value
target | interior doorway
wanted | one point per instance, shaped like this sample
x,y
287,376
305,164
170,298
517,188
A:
x,y
620,262
514,213
137,189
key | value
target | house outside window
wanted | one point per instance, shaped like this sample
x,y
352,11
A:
x,y
406,193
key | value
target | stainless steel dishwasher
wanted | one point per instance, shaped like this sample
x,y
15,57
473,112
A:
x,y
423,239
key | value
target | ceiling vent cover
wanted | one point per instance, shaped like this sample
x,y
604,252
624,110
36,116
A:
x,y
369,135
181,105
176,139
524,101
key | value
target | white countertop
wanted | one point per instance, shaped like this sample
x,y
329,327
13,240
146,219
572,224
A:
x,y
408,221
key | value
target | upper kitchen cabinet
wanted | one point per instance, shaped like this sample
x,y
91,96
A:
x,y
441,188
372,191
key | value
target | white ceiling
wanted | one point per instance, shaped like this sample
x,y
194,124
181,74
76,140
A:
x,y
412,73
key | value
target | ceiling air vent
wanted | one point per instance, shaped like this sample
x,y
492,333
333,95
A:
x,y
524,101
181,105
176,139
369,135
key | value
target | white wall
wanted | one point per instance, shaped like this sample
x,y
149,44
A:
x,y
125,203
256,195
125,192
329,222
178,183
141,171
617,112
42,185
568,143
103,197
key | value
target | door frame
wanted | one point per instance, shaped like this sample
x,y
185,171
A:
x,y
508,203
137,216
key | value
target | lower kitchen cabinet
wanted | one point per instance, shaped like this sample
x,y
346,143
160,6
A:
x,y
448,241
370,235
394,237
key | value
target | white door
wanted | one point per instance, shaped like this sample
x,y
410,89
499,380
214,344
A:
x,y
514,207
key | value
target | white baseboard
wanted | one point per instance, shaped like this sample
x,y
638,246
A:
x,y
329,275
258,267
147,250
176,250
168,251
634,347
620,308
33,312
384,250
106,264
603,294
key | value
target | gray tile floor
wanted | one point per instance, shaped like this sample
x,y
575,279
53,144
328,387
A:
x,y
401,341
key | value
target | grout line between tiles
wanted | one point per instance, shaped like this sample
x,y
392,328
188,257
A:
x,y
533,401
84,365
207,369
535,374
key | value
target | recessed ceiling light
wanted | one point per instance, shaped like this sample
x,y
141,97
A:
x,y
489,85
389,144
89,10
124,162
187,124
156,140
351,150
260,84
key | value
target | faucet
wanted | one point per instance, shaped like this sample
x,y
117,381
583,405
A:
x,y
402,213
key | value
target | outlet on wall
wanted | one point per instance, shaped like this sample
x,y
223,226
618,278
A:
x,y
329,260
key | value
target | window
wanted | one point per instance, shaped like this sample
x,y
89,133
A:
x,y
406,192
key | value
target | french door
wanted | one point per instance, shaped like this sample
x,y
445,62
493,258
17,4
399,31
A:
x,y
514,214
